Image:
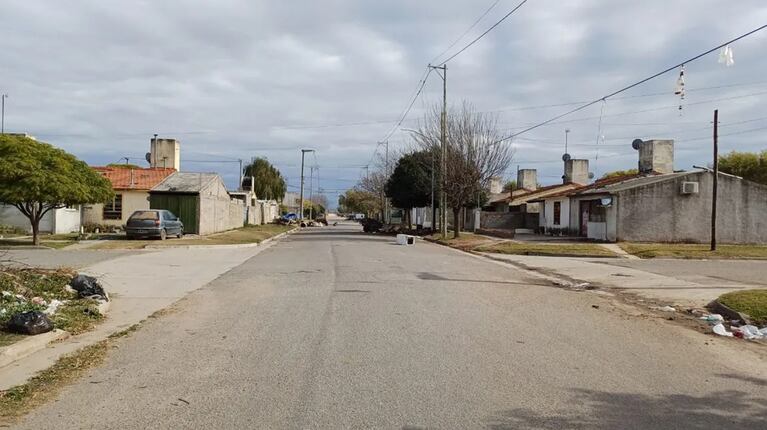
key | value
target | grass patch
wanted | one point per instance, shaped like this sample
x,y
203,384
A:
x,y
750,302
42,388
695,251
9,338
466,241
558,249
77,316
244,235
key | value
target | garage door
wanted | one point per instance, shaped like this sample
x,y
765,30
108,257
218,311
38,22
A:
x,y
183,206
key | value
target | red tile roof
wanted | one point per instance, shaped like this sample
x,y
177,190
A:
x,y
134,179
599,183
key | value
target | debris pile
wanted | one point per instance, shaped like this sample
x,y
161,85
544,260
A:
x,y
737,329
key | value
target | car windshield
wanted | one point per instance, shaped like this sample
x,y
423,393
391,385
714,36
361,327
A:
x,y
143,215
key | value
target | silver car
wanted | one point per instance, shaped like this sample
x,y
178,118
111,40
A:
x,y
157,223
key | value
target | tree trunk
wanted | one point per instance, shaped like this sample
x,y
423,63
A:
x,y
409,213
456,222
35,231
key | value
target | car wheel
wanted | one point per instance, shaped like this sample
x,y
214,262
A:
x,y
180,233
163,234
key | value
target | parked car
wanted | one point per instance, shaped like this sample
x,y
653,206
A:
x,y
153,223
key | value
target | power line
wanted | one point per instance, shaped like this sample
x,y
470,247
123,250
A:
x,y
492,6
635,84
483,34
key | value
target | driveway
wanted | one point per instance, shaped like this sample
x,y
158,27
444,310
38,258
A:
x,y
334,329
707,272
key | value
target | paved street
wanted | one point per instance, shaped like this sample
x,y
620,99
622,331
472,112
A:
x,y
710,272
332,329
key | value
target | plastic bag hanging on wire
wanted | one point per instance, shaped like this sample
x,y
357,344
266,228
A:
x,y
680,88
726,56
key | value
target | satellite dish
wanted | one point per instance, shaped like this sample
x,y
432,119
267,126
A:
x,y
636,144
566,157
148,157
591,175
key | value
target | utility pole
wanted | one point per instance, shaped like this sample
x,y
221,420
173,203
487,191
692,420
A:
x,y
383,192
301,195
716,180
443,147
567,132
239,187
311,192
433,208
2,121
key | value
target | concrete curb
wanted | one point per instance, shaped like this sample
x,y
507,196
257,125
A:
x,y
722,309
30,345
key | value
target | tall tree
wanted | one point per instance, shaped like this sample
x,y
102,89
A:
x,y
269,183
748,165
37,178
474,153
617,173
357,200
409,186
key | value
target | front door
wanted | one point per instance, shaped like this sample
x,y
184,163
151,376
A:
x,y
584,218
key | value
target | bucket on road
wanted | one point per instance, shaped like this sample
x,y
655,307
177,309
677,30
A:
x,y
405,239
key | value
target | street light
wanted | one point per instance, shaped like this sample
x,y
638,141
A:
x,y
301,197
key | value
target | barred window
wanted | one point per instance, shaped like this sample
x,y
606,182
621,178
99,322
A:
x,y
114,209
557,213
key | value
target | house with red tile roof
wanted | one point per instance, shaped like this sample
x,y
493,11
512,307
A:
x,y
131,185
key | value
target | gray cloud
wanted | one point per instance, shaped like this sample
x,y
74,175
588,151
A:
x,y
234,79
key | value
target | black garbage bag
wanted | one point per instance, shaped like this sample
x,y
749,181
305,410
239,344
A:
x,y
31,322
88,287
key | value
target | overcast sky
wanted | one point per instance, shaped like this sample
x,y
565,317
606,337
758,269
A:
x,y
236,79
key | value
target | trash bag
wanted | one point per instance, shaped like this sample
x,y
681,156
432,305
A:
x,y
31,322
88,287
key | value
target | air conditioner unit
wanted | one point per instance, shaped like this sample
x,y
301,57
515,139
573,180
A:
x,y
689,188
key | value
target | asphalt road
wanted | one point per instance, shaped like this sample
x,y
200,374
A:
x,y
333,329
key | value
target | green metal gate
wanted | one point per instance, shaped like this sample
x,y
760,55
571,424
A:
x,y
183,206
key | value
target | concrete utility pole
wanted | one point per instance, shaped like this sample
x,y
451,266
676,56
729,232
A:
x,y
301,195
383,193
311,192
443,146
716,180
2,116
239,187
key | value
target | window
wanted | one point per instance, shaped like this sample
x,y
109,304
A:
x,y
114,209
557,213
145,215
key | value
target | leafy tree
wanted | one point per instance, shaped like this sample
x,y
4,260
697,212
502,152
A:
x,y
748,165
620,173
269,183
36,178
509,186
123,166
357,200
409,186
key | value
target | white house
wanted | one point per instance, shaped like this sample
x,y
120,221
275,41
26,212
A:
x,y
56,221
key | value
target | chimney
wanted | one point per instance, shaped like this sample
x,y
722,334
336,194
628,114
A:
x,y
496,185
165,153
656,156
527,179
576,171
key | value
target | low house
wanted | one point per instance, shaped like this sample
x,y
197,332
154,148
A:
x,y
131,186
200,200
257,211
56,221
661,205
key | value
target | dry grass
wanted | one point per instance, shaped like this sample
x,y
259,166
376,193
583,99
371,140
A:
x,y
694,251
466,241
555,249
248,234
42,388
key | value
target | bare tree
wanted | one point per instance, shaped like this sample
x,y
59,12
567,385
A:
x,y
474,153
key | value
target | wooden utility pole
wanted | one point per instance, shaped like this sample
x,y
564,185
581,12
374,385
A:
x,y
301,196
716,180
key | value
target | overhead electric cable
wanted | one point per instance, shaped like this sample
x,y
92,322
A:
x,y
635,84
492,6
